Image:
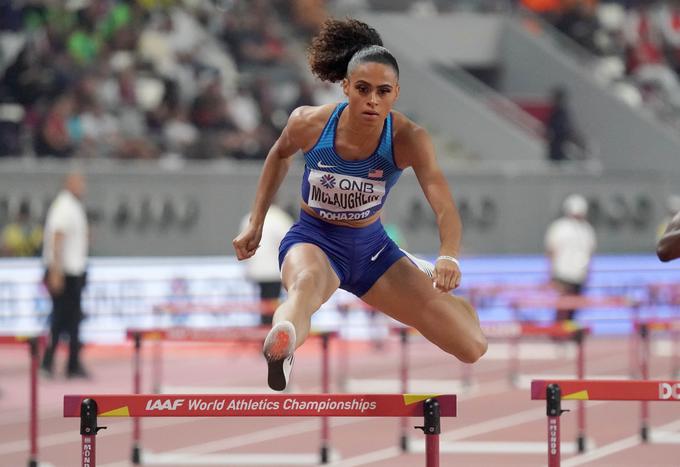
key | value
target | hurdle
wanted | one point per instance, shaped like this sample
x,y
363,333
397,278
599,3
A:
x,y
555,391
575,302
643,330
216,335
223,307
90,407
34,345
513,331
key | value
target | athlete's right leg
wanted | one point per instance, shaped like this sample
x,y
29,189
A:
x,y
310,281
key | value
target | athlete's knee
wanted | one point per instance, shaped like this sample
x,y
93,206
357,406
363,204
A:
x,y
474,347
305,282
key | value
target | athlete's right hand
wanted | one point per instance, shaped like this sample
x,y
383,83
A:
x,y
247,242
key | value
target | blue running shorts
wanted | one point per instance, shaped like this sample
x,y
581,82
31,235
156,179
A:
x,y
359,256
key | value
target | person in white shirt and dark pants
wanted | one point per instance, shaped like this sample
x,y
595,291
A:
x,y
570,243
263,267
65,253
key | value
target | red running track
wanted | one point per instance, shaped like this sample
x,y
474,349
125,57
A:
x,y
497,423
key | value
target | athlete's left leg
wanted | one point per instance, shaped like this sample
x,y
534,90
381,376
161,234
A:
x,y
406,294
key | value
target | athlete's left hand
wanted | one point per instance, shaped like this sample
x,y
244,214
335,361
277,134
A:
x,y
446,275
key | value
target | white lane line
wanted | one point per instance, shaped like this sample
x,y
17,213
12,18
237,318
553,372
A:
x,y
664,437
230,459
530,351
22,415
393,385
617,446
494,447
500,423
72,436
472,430
368,458
461,433
248,438
524,379
166,389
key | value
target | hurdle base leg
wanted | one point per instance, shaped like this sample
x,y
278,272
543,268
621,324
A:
x,y
644,433
32,463
432,430
325,454
88,432
403,443
136,457
581,443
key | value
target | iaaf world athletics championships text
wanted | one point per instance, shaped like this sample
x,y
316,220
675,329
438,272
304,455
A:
x,y
264,404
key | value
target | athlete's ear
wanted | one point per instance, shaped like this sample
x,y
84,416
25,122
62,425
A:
x,y
345,86
396,92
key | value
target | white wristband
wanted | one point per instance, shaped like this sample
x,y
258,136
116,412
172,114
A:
x,y
449,258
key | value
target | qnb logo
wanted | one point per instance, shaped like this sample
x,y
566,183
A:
x,y
328,181
167,404
669,391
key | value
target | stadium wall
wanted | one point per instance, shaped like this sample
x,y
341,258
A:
x,y
195,209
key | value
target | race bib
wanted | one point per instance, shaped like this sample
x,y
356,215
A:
x,y
343,193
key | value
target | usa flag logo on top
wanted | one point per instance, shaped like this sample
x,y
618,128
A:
x,y
375,173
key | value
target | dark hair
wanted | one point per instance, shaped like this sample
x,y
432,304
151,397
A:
x,y
341,45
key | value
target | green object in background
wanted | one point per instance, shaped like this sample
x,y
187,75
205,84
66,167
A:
x,y
394,233
83,47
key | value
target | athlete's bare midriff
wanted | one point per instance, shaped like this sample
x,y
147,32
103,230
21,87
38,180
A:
x,y
355,224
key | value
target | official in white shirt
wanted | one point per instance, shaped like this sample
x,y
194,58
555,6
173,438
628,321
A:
x,y
65,253
263,267
570,243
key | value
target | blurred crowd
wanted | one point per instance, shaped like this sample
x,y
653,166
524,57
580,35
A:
x,y
636,42
145,79
207,79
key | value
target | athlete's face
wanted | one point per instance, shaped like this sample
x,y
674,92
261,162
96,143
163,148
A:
x,y
372,89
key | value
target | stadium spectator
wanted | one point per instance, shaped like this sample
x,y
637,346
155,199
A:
x,y
549,9
578,21
57,134
564,139
570,243
21,237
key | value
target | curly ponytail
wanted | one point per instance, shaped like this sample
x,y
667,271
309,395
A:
x,y
340,45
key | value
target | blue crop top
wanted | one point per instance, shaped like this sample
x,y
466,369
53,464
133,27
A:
x,y
337,189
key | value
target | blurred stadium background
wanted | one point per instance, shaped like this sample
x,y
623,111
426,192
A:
x,y
170,106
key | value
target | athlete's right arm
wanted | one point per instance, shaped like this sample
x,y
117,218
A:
x,y
275,168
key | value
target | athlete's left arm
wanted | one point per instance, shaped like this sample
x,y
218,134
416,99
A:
x,y
419,153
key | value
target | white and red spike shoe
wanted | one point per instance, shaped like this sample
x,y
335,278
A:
x,y
278,351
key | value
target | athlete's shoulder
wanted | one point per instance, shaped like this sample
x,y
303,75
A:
x,y
408,139
310,115
306,123
405,130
